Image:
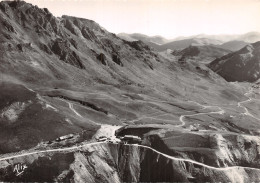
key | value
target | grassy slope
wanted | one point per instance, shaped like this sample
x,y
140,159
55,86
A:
x,y
146,83
35,123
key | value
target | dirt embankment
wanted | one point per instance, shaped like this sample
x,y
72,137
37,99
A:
x,y
123,163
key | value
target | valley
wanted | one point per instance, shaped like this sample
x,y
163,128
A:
x,y
81,104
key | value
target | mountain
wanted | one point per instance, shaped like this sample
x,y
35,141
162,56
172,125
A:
x,y
249,37
233,45
59,59
73,98
67,64
242,65
146,39
181,44
222,38
161,44
203,54
230,42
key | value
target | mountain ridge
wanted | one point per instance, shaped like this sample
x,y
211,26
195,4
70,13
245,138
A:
x,y
244,63
231,42
203,54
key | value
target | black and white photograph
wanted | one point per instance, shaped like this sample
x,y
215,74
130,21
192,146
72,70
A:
x,y
129,91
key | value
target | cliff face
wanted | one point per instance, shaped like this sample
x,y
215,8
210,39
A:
x,y
119,163
218,150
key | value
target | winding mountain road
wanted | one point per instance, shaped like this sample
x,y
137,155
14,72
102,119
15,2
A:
x,y
75,147
71,107
194,162
74,111
239,104
50,150
143,146
221,111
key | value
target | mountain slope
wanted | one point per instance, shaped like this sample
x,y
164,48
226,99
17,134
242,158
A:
x,y
233,45
250,37
70,59
69,76
243,65
203,54
46,54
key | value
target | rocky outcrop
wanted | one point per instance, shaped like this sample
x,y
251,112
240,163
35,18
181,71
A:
x,y
8,26
75,41
88,34
102,58
45,48
12,112
117,59
138,45
71,27
62,49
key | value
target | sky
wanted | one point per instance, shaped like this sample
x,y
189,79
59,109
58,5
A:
x,y
168,18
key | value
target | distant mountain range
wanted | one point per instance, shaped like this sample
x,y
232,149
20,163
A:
x,y
234,57
144,38
187,42
230,42
249,37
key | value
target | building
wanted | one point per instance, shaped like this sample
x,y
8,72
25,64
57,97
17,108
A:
x,y
131,139
65,137
102,139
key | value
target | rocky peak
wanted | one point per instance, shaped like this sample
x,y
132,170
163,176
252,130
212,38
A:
x,y
81,23
77,42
